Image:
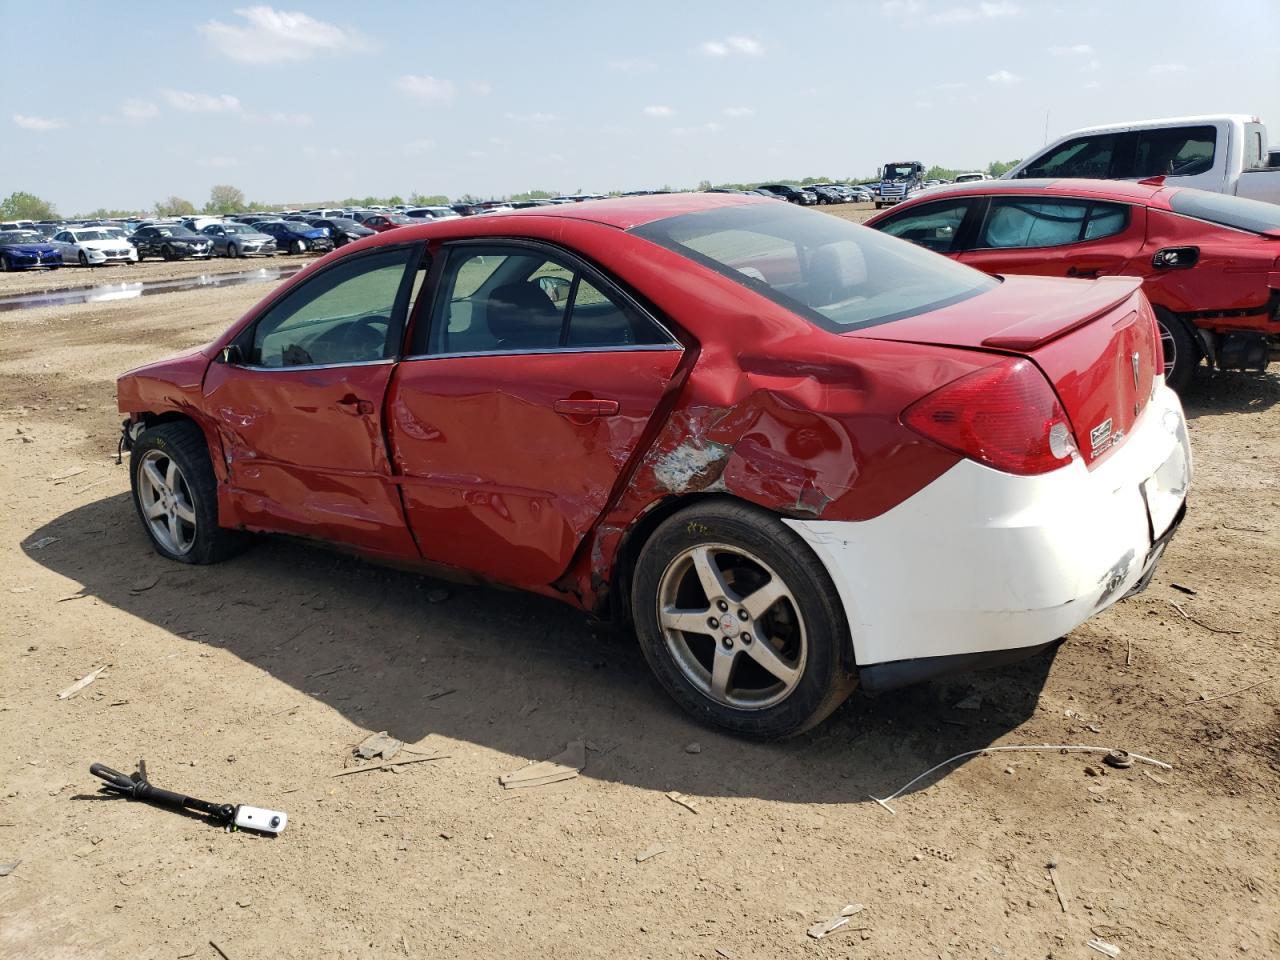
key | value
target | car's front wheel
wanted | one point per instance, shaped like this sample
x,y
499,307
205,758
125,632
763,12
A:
x,y
298,246
84,260
176,495
740,622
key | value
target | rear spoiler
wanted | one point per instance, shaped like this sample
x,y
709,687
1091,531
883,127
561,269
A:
x,y
1104,294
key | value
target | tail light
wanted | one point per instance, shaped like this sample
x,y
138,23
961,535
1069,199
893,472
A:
x,y
1005,415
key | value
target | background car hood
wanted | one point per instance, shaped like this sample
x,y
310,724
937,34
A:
x,y
101,244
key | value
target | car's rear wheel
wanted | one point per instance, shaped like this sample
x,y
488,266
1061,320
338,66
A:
x,y
740,622
1180,354
166,252
176,495
5,266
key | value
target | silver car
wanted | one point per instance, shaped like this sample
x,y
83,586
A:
x,y
239,240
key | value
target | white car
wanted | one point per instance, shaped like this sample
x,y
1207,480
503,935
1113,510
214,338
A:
x,y
93,246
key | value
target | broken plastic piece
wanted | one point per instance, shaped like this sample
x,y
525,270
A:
x,y
820,930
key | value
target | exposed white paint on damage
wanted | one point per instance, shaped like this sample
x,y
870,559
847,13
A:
x,y
677,470
982,560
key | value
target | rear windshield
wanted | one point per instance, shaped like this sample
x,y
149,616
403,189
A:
x,y
837,274
1252,215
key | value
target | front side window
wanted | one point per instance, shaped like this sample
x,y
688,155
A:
x,y
935,226
1174,152
838,275
346,314
1081,157
507,300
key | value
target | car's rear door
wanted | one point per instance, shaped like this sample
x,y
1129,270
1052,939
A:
x,y
519,407
298,404
1055,236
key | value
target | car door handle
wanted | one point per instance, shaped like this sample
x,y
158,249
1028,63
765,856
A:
x,y
1088,273
586,408
354,405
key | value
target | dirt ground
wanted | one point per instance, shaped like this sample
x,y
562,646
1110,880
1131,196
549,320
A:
x,y
252,680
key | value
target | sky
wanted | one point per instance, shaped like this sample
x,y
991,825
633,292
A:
x,y
122,105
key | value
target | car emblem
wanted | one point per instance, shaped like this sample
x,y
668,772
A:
x,y
1100,436
1137,365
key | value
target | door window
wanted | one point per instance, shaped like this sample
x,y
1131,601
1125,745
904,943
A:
x,y
935,226
350,313
1081,157
501,300
1174,152
1017,222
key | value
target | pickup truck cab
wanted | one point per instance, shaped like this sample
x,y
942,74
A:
x,y
1223,154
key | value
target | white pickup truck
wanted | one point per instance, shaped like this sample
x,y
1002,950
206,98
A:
x,y
1226,153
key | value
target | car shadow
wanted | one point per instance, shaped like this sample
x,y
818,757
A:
x,y
1213,393
507,670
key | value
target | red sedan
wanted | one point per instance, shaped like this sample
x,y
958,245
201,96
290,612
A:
x,y
796,454
382,222
1209,262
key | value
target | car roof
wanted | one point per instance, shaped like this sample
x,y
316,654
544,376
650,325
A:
x,y
1162,122
1120,190
627,212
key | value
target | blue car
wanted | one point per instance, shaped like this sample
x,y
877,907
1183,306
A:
x,y
25,250
296,236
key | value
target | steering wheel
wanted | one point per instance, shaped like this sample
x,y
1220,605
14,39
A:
x,y
357,340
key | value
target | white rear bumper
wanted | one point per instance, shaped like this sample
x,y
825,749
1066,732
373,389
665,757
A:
x,y
981,561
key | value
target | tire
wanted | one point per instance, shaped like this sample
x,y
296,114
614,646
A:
x,y
232,251
183,482
298,246
1181,352
879,205
84,261
802,631
166,252
5,266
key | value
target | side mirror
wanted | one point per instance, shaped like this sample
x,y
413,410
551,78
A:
x,y
556,288
232,355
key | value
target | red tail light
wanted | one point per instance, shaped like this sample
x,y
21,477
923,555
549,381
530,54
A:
x,y
1005,415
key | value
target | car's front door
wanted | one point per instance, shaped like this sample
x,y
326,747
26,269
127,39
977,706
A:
x,y
519,407
939,226
1055,236
298,400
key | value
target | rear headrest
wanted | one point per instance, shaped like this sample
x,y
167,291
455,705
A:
x,y
836,270
520,314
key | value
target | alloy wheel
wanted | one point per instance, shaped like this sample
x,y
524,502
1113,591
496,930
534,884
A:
x,y
1169,347
732,626
166,502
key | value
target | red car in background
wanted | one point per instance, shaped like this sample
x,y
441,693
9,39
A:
x,y
382,222
1209,262
796,454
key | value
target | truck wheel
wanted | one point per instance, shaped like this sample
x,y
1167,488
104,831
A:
x,y
740,622
879,205
1181,354
176,495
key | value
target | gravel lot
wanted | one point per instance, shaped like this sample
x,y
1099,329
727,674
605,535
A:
x,y
252,680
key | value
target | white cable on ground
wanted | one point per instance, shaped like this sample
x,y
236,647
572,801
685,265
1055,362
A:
x,y
1062,748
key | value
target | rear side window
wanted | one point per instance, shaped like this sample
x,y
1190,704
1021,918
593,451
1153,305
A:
x,y
1174,152
1081,157
1254,216
1014,222
935,226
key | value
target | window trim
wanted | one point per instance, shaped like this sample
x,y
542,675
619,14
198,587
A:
x,y
244,339
974,246
580,267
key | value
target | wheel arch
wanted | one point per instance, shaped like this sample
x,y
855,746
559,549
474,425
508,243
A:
x,y
150,420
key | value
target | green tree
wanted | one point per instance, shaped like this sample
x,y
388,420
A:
x,y
174,207
224,198
533,195
105,213
998,168
423,200
26,206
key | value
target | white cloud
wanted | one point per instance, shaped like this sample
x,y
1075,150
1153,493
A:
x,y
279,119
535,117
658,110
139,111
271,35
983,11
1003,76
1156,69
737,111
41,124
633,65
201,102
481,88
901,8
1092,85
1078,49
1093,66
714,127
427,88
416,148
731,45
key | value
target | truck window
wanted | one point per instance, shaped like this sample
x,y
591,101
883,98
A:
x,y
1082,157
1174,152
1254,156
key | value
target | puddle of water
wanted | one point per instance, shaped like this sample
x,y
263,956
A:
x,y
142,288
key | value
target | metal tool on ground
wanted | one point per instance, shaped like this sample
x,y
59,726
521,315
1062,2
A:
x,y
136,786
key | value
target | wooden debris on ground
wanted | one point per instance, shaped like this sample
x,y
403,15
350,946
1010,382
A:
x,y
565,766
80,684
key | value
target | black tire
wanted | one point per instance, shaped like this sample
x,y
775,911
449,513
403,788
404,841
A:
x,y
184,443
4,265
1179,346
141,255
298,247
826,672
166,252
84,260
879,205
233,251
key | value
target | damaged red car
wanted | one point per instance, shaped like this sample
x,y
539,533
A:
x,y
796,454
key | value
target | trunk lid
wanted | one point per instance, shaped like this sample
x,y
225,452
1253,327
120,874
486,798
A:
x,y
1095,341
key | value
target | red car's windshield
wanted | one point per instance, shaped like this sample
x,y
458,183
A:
x,y
835,273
